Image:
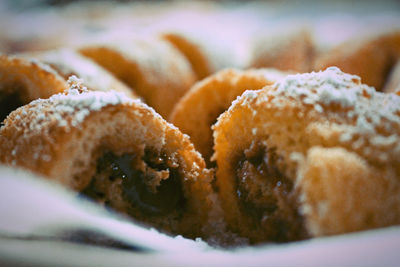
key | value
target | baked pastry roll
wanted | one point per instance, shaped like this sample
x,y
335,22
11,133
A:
x,y
315,154
206,53
23,80
69,62
206,100
115,150
290,49
371,57
155,70
342,191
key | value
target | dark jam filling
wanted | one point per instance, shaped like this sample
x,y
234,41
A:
x,y
158,200
267,196
8,103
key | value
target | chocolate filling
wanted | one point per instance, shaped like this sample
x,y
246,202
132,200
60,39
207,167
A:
x,y
267,196
9,103
150,183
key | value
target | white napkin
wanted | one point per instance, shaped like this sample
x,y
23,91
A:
x,y
42,223
33,208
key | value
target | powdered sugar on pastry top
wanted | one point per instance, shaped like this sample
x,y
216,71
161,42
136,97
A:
x,y
361,102
333,87
326,87
364,114
79,102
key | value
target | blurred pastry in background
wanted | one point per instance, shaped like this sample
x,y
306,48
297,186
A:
x,y
206,53
392,83
199,109
290,49
117,151
371,57
23,80
155,70
314,154
69,62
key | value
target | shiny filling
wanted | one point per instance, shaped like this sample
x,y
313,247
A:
x,y
149,183
9,103
267,196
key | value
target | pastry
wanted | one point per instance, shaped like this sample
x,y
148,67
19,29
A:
x,y
315,154
206,53
290,49
370,57
69,62
342,191
23,80
206,100
155,70
115,150
392,82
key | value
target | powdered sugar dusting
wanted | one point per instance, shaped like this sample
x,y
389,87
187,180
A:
x,y
43,66
369,118
250,94
75,85
79,102
369,108
332,84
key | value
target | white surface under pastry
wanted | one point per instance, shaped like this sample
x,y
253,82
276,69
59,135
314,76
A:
x,y
34,212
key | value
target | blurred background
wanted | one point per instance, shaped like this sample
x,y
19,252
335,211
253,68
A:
x,y
46,24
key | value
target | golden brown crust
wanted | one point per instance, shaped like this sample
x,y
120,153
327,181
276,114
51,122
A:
x,y
193,53
342,192
206,100
329,110
292,50
205,55
63,137
69,62
30,78
152,68
371,57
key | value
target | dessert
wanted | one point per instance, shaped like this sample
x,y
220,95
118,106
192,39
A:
x,y
206,53
315,154
288,50
69,62
371,57
292,158
23,80
155,70
116,150
195,113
